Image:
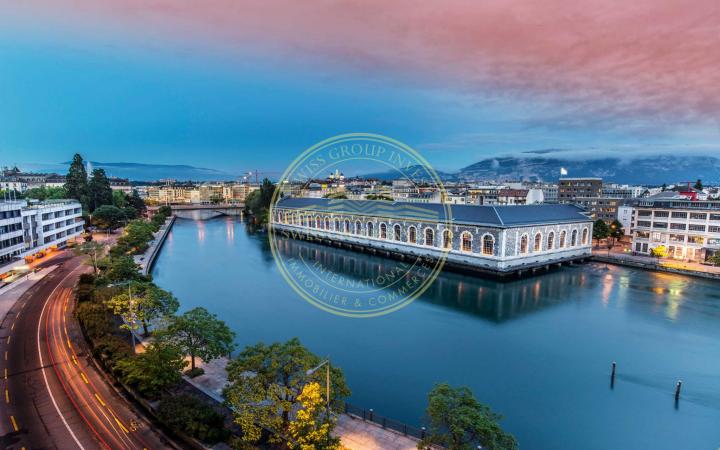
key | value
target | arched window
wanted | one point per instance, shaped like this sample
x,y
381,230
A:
x,y
412,235
488,245
551,240
337,225
369,229
447,239
585,236
429,236
327,223
466,241
562,238
523,244
383,231
318,223
347,226
358,227
538,242
573,238
398,232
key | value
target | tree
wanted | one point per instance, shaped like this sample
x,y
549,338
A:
x,y
616,230
265,384
157,368
192,416
458,421
45,193
201,334
108,217
698,185
99,191
120,199
91,249
136,202
600,230
76,184
143,303
120,268
258,201
714,259
309,430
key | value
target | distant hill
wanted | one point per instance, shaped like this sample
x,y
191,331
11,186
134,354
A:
x,y
640,170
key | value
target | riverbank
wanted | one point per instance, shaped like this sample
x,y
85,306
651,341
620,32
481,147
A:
x,y
147,259
654,265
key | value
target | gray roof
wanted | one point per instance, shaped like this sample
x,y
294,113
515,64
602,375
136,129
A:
x,y
494,216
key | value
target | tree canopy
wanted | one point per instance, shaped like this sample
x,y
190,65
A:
x,y
600,230
157,368
459,422
310,429
108,217
266,381
698,185
45,193
76,181
201,334
99,191
616,229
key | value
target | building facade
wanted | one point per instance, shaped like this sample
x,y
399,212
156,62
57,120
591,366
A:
x,y
570,189
688,230
11,230
501,240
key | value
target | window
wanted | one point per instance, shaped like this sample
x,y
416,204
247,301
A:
x,y
697,227
358,227
715,217
488,247
383,231
662,225
713,229
698,216
318,224
585,236
398,232
466,242
538,243
369,229
429,236
412,235
447,239
678,226
347,226
644,213
337,225
679,215
573,238
551,240
562,238
695,240
643,223
327,223
523,244
661,214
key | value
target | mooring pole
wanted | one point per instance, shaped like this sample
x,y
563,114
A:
x,y
677,390
612,375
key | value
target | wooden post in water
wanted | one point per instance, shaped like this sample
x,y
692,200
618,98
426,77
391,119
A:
x,y
677,390
612,375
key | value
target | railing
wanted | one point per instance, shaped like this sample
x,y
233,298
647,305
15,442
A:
x,y
385,422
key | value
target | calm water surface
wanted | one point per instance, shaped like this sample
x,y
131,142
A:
x,y
537,350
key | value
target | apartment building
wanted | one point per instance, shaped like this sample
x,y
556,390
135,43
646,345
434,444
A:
x,y
689,230
11,230
570,189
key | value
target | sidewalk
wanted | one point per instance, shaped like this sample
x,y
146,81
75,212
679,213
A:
x,y
659,264
12,292
146,259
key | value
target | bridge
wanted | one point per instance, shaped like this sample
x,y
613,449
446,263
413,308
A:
x,y
202,211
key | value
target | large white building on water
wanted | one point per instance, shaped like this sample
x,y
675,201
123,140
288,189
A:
x,y
492,239
28,228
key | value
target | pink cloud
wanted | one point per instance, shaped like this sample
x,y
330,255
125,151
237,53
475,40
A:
x,y
604,59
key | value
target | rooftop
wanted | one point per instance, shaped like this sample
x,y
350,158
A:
x,y
495,216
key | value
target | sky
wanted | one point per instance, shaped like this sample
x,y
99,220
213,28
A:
x,y
237,85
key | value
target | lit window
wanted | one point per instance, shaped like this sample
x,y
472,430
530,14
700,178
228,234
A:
x,y
538,243
524,244
412,237
429,236
488,247
466,242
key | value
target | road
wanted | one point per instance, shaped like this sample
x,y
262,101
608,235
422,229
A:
x,y
54,398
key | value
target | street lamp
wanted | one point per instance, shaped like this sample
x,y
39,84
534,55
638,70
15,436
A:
x,y
325,363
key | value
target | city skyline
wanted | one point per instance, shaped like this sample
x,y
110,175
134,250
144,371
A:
x,y
256,84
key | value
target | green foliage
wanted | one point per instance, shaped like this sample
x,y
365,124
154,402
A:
x,y
93,250
136,202
45,193
156,369
266,399
201,334
600,230
196,372
165,210
258,201
112,350
714,259
108,217
459,422
86,288
136,238
120,268
379,197
616,230
336,195
99,191
142,303
94,318
76,184
190,415
698,185
120,199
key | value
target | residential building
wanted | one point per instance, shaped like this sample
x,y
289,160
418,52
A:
x,y
625,214
495,239
570,189
688,229
11,230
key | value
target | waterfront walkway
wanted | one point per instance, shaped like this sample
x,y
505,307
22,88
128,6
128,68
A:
x,y
617,256
146,259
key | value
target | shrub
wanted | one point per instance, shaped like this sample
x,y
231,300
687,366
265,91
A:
x,y
112,350
190,415
95,319
196,372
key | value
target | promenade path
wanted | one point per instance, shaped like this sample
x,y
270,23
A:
x,y
618,256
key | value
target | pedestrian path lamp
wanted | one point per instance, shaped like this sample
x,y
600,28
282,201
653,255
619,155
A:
x,y
325,363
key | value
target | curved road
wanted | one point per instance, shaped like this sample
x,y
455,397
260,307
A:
x,y
52,395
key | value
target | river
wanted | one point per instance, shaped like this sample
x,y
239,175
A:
x,y
537,350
